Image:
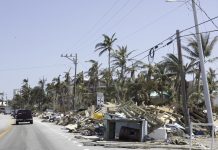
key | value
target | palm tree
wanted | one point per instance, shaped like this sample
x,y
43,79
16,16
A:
x,y
38,97
58,95
134,67
51,94
42,98
82,99
108,90
173,66
212,83
25,93
207,46
106,45
161,78
67,90
120,59
93,75
193,51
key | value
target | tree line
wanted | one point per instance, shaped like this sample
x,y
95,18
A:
x,y
124,79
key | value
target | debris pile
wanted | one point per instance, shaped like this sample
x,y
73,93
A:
x,y
164,123
154,115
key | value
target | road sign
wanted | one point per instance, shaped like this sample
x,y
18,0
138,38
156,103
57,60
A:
x,y
100,99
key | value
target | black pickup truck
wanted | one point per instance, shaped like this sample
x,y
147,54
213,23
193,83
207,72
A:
x,y
24,116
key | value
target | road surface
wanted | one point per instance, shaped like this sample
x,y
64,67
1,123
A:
x,y
38,136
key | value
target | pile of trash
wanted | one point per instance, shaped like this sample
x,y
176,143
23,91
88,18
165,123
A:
x,y
81,121
89,122
155,116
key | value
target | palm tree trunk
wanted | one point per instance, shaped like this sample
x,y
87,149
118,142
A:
x,y
109,62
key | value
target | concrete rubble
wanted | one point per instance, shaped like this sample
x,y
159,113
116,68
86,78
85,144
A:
x,y
165,127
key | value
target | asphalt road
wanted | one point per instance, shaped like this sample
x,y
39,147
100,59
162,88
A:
x,y
35,137
38,136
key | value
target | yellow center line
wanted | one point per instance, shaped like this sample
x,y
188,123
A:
x,y
6,130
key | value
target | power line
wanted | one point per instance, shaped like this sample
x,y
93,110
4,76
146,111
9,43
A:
x,y
149,55
127,14
154,47
205,14
199,33
96,23
108,21
155,20
199,24
145,26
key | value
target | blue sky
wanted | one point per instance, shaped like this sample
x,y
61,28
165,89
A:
x,y
34,33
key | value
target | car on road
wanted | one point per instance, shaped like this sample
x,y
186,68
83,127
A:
x,y
24,115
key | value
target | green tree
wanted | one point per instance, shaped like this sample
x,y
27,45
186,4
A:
x,y
162,79
120,59
193,51
25,94
93,74
212,83
106,46
37,97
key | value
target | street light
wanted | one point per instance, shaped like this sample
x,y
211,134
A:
x,y
201,57
74,60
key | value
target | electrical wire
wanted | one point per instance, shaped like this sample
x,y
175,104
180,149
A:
x,y
158,49
107,22
169,38
151,22
154,21
96,23
199,33
126,15
152,51
155,48
199,24
205,13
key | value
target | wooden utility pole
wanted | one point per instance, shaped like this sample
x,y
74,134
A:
x,y
183,83
75,61
74,91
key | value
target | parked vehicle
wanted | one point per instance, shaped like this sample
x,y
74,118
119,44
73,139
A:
x,y
24,116
14,113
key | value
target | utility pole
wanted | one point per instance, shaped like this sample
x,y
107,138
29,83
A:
x,y
75,61
203,72
183,83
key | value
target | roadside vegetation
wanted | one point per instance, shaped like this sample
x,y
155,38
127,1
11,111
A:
x,y
125,79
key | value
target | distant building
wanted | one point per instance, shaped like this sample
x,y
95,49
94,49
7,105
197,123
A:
x,y
3,103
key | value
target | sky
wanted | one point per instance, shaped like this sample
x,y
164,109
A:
x,y
34,33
